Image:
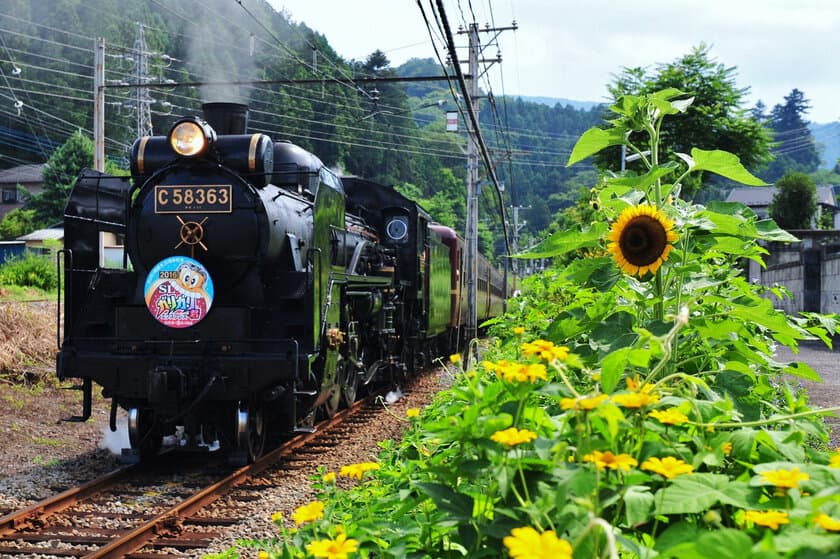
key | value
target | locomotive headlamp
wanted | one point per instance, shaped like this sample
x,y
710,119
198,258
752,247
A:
x,y
190,139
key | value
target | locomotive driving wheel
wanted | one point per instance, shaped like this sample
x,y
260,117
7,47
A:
x,y
143,434
331,404
348,382
250,430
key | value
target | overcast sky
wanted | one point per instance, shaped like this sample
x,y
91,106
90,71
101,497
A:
x,y
572,48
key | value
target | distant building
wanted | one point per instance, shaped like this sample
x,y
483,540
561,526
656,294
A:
x,y
36,239
758,199
27,176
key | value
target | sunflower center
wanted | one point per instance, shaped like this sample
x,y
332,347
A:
x,y
643,240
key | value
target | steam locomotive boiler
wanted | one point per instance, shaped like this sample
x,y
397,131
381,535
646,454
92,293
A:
x,y
256,288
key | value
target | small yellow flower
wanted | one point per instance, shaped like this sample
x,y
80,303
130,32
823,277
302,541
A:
x,y
582,403
517,372
727,448
527,543
339,548
609,460
671,416
785,479
329,477
827,523
412,412
635,399
308,513
546,350
263,555
668,467
632,383
513,436
357,470
769,518
455,358
834,461
277,517
518,330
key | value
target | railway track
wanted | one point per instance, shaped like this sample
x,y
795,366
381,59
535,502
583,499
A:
x,y
163,509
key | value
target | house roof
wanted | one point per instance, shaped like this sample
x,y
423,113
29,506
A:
x,y
22,174
758,196
44,235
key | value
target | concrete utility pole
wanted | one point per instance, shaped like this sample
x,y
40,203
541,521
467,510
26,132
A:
x,y
99,106
471,256
517,227
472,192
142,99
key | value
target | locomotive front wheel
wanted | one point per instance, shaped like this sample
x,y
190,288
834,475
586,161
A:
x,y
143,434
250,430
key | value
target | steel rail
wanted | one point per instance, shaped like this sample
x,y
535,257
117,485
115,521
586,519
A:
x,y
170,521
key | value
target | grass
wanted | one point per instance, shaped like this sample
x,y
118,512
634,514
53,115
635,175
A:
x,y
41,461
16,293
45,441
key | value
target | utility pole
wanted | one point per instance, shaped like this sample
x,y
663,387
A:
x,y
99,106
471,256
517,227
142,100
472,192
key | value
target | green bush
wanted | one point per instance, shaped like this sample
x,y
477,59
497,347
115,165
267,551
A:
x,y
32,270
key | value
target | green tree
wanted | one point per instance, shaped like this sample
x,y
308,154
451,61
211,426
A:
x,y
794,148
715,120
795,201
60,175
16,223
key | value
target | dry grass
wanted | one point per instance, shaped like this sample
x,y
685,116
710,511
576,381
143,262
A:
x,y
27,341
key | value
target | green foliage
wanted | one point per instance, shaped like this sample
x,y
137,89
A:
x,y
16,223
795,149
715,120
30,271
60,175
663,426
795,202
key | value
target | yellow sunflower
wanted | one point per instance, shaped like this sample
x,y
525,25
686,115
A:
x,y
640,240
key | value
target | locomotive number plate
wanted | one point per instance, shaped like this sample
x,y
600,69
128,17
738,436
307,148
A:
x,y
202,198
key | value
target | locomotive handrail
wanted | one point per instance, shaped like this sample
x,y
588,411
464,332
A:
x,y
309,260
68,255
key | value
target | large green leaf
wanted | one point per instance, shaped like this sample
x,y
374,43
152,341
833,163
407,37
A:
x,y
563,242
614,364
699,492
594,140
725,164
803,370
769,231
460,506
638,503
720,544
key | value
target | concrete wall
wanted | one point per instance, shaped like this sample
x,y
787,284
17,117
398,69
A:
x,y
810,270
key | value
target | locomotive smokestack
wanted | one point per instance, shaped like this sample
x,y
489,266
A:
x,y
226,118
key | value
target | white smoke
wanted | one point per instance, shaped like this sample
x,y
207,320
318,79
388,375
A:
x,y
117,440
221,48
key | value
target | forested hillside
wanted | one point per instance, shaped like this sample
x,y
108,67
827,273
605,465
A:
x,y
389,132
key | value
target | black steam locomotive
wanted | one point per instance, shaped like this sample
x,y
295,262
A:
x,y
256,288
